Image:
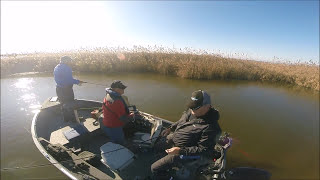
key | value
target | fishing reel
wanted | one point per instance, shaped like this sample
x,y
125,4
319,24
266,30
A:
x,y
225,140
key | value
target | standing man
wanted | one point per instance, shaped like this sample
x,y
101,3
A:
x,y
195,134
115,112
64,80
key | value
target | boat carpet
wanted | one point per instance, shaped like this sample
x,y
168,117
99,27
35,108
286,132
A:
x,y
75,163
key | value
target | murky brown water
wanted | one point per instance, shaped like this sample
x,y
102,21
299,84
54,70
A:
x,y
274,127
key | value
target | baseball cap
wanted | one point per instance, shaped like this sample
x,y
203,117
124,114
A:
x,y
118,84
198,99
65,59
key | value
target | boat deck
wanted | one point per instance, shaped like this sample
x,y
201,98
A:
x,y
51,127
58,136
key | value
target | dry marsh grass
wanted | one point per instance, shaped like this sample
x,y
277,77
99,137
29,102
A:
x,y
192,65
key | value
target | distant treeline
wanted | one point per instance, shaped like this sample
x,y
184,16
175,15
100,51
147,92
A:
x,y
167,62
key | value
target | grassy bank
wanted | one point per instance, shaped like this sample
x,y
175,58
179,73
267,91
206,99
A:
x,y
167,62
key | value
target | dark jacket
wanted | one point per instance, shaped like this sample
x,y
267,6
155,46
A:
x,y
196,135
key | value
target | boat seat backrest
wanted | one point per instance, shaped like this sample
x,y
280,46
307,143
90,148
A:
x,y
116,156
146,139
155,131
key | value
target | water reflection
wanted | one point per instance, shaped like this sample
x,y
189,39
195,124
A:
x,y
26,88
35,108
28,97
24,83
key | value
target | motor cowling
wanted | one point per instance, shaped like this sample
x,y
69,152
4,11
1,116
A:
x,y
246,173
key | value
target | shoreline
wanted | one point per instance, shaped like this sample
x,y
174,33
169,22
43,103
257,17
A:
x,y
188,66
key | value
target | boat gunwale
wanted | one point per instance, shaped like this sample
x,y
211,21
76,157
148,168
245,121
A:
x,y
43,151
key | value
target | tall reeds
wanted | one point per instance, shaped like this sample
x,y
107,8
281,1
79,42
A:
x,y
192,65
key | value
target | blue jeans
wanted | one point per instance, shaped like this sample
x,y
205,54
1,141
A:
x,y
116,135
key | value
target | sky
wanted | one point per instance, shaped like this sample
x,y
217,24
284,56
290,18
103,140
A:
x,y
259,30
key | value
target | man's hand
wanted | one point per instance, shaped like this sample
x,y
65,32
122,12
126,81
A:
x,y
132,114
132,117
81,82
166,132
173,151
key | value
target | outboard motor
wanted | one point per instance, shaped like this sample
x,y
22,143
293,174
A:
x,y
246,173
214,169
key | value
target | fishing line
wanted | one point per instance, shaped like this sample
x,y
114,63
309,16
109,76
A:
x,y
241,151
89,108
42,178
104,85
27,130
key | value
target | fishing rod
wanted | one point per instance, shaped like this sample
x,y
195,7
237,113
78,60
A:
x,y
94,83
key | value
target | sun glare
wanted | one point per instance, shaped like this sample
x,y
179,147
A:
x,y
24,83
49,26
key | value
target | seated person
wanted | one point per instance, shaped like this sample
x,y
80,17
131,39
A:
x,y
196,133
115,113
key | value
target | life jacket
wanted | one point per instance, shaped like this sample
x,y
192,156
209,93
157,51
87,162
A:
x,y
111,98
111,115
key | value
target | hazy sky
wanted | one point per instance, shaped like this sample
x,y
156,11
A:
x,y
258,29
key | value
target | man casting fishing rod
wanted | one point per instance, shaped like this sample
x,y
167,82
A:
x,y
64,80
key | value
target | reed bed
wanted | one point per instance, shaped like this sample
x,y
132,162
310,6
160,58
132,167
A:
x,y
186,64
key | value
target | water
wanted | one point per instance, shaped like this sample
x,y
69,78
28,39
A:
x,y
274,127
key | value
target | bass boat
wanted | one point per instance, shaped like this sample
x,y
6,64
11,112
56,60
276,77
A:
x,y
77,146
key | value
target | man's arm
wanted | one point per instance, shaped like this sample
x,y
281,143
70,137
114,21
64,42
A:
x,y
183,118
173,126
119,109
69,76
206,142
